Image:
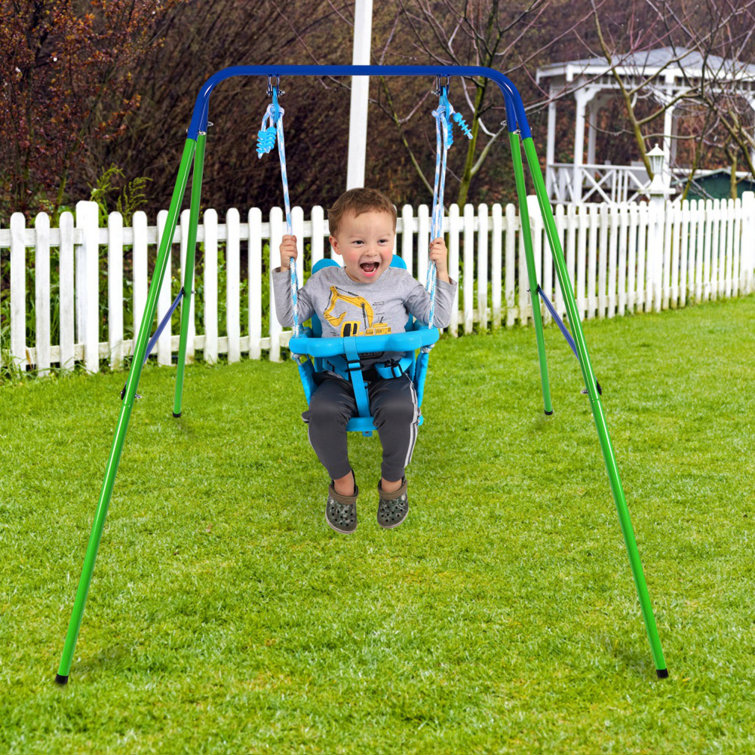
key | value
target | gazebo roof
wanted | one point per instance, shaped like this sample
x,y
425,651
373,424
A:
x,y
675,66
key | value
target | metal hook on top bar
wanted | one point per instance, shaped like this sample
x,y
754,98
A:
x,y
441,82
273,86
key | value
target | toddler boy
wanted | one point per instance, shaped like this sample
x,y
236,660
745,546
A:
x,y
364,297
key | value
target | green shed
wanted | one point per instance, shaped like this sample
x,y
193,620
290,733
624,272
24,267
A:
x,y
716,184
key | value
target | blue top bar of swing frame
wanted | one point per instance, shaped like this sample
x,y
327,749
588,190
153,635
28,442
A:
x,y
515,115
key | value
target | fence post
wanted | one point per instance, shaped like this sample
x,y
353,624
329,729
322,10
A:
x,y
115,289
210,288
633,218
482,265
454,225
319,232
42,293
407,237
604,256
232,283
17,290
164,297
255,281
87,283
496,259
748,234
468,277
509,268
139,265
656,234
67,303
423,242
657,252
595,215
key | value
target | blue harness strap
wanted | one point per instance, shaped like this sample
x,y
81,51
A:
x,y
354,367
389,369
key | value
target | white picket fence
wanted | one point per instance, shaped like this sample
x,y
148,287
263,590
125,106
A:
x,y
621,259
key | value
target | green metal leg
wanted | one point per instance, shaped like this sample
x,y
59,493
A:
x,y
191,245
127,405
537,317
597,409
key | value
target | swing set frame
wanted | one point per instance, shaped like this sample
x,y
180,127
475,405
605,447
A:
x,y
192,161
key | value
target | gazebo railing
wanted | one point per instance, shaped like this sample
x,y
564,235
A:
x,y
596,183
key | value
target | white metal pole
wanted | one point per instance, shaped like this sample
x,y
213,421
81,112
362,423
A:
x,y
360,90
592,121
583,97
669,145
550,151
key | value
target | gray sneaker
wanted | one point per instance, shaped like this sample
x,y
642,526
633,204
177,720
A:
x,y
393,507
341,510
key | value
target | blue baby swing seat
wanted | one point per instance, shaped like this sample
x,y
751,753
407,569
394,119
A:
x,y
313,351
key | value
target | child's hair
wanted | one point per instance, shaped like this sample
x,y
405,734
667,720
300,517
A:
x,y
359,201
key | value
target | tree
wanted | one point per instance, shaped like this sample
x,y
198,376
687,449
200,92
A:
x,y
109,85
201,38
511,37
67,67
727,48
707,42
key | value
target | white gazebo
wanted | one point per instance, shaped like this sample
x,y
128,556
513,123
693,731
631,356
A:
x,y
664,73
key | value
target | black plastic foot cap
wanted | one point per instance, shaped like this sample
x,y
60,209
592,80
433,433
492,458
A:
x,y
549,413
662,673
177,415
60,679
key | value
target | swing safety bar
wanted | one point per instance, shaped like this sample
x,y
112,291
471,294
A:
x,y
192,160
330,347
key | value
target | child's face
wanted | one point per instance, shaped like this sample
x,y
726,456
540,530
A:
x,y
365,242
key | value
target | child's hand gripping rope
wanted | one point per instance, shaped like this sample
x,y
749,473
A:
x,y
288,251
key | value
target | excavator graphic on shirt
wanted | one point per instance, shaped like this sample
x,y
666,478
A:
x,y
358,310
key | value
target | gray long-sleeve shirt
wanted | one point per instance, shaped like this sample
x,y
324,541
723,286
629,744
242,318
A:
x,y
348,308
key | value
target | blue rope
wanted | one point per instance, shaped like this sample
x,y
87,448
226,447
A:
x,y
266,139
443,140
444,116
289,224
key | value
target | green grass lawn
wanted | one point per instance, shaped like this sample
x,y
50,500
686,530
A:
x,y
225,616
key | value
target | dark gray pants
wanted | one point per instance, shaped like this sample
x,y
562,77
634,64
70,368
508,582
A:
x,y
393,404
